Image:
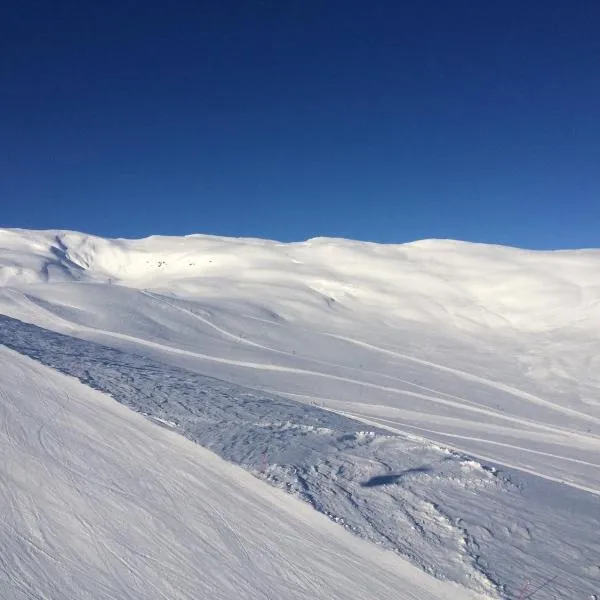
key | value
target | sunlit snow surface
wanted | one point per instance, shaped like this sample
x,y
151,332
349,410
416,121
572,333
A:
x,y
99,503
492,351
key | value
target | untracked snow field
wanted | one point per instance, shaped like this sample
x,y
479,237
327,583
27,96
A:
x,y
438,399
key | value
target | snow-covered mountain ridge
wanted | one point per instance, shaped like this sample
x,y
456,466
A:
x,y
427,281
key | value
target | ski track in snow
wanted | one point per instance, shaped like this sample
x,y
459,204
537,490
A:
x,y
459,403
447,513
470,377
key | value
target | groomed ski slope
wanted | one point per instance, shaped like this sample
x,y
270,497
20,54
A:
x,y
98,502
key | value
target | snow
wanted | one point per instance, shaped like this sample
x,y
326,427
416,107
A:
x,y
481,363
98,502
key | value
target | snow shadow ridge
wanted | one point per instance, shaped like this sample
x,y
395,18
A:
x,y
393,477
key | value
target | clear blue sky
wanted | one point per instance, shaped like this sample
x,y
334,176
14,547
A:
x,y
386,121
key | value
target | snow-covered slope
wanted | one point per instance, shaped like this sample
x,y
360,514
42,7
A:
x,y
99,503
490,350
494,350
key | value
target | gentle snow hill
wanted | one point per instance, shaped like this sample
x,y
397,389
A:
x,y
490,350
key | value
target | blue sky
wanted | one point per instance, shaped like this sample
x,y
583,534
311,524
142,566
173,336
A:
x,y
385,121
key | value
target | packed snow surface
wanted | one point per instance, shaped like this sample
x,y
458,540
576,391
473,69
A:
x,y
98,502
474,369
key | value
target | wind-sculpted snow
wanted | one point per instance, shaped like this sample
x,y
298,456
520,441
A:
x,y
452,516
98,503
